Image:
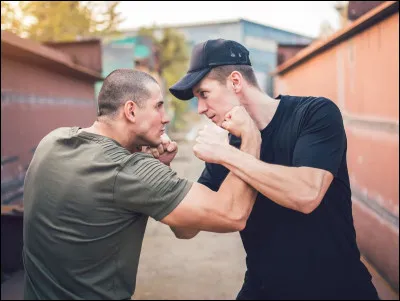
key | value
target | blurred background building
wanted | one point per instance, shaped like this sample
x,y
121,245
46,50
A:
x,y
262,41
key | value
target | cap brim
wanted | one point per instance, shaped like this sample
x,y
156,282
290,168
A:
x,y
183,88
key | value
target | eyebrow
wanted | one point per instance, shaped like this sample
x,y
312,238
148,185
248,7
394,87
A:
x,y
199,89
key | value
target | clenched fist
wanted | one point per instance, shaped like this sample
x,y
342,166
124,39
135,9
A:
x,y
165,152
238,122
212,144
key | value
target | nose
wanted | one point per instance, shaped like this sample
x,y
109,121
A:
x,y
201,106
165,118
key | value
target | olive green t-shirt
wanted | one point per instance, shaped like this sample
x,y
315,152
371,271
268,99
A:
x,y
86,204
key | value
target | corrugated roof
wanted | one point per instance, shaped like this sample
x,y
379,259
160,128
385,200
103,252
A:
x,y
369,19
13,45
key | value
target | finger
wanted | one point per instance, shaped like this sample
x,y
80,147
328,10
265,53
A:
x,y
146,149
160,149
228,115
165,144
155,153
172,147
199,139
226,125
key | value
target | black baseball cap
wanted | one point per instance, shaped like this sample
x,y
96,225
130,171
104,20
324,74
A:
x,y
205,56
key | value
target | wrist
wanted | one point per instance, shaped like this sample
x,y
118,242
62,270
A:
x,y
227,155
251,143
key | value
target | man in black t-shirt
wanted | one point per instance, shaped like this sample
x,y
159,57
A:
x,y
300,238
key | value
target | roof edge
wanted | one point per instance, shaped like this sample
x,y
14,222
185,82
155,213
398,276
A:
x,y
46,53
364,22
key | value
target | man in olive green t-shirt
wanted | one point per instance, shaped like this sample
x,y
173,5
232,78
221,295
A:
x,y
89,192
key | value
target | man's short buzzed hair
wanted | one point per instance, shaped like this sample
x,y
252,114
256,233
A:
x,y
221,73
120,86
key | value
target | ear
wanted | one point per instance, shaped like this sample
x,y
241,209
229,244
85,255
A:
x,y
236,79
130,110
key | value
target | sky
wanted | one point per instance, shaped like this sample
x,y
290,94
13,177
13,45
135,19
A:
x,y
303,17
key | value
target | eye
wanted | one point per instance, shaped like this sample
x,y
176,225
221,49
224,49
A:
x,y
203,94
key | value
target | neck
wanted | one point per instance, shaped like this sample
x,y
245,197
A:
x,y
260,106
114,130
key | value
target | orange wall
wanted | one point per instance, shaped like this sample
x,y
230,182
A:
x,y
361,75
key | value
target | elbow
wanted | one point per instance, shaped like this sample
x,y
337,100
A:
x,y
185,236
241,225
184,233
238,224
308,202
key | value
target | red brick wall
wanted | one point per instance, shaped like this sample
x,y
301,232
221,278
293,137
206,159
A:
x,y
361,76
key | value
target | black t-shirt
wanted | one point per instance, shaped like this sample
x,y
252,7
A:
x,y
292,255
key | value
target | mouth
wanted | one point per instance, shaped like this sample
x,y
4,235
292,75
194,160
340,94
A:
x,y
212,117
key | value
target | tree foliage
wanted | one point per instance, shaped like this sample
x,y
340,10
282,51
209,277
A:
x,y
9,19
64,20
174,57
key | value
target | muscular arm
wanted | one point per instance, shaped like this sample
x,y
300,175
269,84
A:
x,y
226,210
297,188
317,155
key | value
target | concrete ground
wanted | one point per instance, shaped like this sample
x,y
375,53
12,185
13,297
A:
x,y
208,266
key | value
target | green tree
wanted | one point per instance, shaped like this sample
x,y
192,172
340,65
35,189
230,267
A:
x,y
70,20
106,19
174,57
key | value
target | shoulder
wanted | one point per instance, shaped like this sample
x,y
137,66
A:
x,y
315,106
310,101
61,132
145,167
55,135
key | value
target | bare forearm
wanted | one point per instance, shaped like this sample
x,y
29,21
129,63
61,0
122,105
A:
x,y
241,193
227,209
290,187
231,207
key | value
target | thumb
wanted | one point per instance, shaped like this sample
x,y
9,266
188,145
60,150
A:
x,y
228,115
226,125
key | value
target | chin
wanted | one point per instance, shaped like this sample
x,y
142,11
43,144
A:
x,y
155,142
219,123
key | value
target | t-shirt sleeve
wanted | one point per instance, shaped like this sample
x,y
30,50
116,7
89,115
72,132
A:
x,y
147,186
322,140
213,175
206,178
